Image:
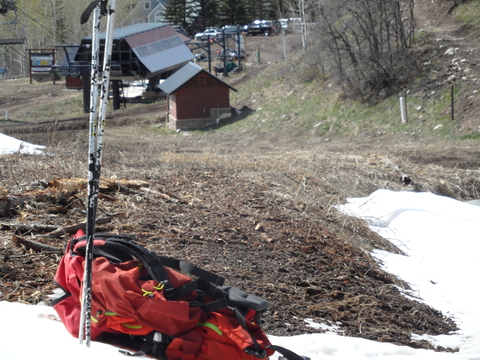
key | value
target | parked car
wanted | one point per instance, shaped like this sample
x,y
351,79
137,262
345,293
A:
x,y
214,33
291,24
253,28
264,27
232,29
284,23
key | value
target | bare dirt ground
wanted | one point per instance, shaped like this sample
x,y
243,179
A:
x,y
253,208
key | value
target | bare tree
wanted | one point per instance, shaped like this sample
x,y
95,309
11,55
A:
x,y
367,43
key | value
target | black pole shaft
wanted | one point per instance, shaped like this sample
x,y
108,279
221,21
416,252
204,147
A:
x,y
116,94
239,48
85,74
209,56
224,46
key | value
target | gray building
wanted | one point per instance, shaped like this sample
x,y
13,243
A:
x,y
141,51
146,11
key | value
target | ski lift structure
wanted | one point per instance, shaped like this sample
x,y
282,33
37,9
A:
x,y
8,7
146,51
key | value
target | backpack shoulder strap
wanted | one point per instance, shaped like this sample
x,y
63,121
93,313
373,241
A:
x,y
287,354
154,263
192,270
149,260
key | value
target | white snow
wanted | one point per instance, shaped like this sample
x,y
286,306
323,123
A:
x,y
10,145
440,239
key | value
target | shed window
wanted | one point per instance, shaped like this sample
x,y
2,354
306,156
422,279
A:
x,y
202,79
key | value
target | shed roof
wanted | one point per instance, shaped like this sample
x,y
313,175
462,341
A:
x,y
181,76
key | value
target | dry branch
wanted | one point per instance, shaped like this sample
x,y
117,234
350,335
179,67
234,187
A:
x,y
169,195
166,195
57,210
126,190
61,191
60,231
24,228
34,245
149,191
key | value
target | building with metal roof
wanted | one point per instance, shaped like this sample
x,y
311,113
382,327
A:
x,y
196,98
140,51
146,51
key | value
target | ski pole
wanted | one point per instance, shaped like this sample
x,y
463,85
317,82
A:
x,y
93,171
107,59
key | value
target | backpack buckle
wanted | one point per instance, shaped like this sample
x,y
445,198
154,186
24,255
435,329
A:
x,y
259,353
159,337
168,290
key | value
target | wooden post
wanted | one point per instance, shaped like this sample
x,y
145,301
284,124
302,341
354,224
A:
x,y
53,63
452,101
167,120
30,64
402,109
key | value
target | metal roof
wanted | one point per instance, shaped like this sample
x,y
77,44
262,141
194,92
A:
x,y
158,46
181,76
164,54
137,29
121,33
151,34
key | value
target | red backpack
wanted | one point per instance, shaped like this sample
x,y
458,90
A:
x,y
142,302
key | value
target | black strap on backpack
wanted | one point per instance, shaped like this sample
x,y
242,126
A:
x,y
287,354
153,344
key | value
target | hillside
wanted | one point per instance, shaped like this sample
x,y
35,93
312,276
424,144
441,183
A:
x,y
252,200
446,58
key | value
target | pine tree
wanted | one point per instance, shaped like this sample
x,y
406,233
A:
x,y
204,14
233,12
176,12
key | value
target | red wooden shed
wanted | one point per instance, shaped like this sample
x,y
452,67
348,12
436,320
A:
x,y
196,98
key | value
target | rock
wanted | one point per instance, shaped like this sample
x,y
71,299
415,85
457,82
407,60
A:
x,y
450,51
